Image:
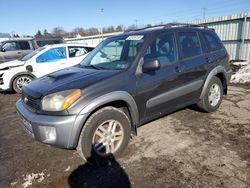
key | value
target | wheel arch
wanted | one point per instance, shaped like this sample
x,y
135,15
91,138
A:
x,y
19,74
219,72
118,99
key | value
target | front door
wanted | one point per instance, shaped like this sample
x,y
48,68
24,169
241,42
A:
x,y
155,89
51,60
10,51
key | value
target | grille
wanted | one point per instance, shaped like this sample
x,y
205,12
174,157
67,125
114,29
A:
x,y
31,102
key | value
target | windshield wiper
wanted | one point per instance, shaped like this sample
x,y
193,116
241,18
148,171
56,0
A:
x,y
93,67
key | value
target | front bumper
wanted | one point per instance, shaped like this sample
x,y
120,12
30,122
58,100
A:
x,y
60,131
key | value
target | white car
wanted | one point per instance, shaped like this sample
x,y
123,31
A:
x,y
15,74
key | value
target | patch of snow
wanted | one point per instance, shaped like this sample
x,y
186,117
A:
x,y
67,169
242,76
30,178
242,63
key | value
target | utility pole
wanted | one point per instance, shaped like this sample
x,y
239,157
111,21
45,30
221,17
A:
x,y
136,24
204,13
102,10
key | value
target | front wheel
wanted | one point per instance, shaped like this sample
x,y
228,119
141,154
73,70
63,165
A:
x,y
21,81
106,133
213,95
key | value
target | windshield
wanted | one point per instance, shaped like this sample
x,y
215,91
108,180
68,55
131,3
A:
x,y
30,55
114,53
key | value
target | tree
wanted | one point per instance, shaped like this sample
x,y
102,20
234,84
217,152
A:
x,y
131,27
58,31
119,28
38,34
46,33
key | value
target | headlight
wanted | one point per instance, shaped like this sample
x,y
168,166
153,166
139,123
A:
x,y
61,100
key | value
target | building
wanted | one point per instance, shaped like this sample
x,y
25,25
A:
x,y
234,31
4,36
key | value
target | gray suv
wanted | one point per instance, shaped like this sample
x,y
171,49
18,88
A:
x,y
17,48
126,81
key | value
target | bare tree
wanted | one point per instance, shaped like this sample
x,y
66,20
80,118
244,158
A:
x,y
58,31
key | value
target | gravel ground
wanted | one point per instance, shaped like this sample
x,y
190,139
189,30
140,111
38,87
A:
x,y
187,148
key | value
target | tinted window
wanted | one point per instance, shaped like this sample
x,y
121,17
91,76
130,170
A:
x,y
52,55
24,45
77,51
163,49
212,42
189,44
10,46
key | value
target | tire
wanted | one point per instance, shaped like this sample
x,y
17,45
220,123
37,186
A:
x,y
21,81
210,102
99,121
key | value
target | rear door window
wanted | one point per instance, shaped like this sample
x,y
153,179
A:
x,y
75,51
189,44
23,45
212,41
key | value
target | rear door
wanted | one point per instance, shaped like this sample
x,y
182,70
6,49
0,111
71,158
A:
x,y
76,54
51,60
192,65
216,54
25,47
155,90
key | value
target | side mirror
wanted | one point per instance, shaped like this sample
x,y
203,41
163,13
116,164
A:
x,y
2,49
150,65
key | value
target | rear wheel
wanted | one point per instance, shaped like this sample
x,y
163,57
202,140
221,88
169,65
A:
x,y
213,95
21,81
106,133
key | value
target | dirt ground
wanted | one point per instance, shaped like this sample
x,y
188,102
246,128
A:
x,y
185,149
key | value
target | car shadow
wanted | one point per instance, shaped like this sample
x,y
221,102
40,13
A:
x,y
99,172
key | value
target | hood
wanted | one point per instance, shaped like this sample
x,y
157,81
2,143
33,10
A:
x,y
13,63
70,78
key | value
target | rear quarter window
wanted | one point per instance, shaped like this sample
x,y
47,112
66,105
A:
x,y
212,41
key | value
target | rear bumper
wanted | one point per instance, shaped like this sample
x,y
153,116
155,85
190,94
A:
x,y
60,131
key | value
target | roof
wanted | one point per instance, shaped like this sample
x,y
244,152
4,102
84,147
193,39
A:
x,y
66,44
162,28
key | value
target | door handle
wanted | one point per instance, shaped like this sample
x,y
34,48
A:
x,y
177,69
19,52
208,59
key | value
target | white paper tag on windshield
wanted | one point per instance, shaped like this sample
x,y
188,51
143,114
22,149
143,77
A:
x,y
134,37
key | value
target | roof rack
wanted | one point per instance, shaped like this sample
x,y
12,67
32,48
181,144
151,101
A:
x,y
168,25
176,24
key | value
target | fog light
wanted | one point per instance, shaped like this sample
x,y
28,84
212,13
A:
x,y
50,134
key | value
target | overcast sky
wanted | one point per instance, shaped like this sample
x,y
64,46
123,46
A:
x,y
27,16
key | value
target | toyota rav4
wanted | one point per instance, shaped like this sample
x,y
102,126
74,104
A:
x,y
126,81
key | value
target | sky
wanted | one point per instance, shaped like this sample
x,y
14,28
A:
x,y
25,17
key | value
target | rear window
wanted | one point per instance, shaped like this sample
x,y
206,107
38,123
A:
x,y
212,41
189,44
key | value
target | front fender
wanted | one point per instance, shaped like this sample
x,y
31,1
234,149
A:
x,y
111,97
